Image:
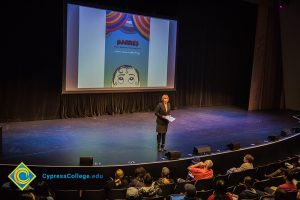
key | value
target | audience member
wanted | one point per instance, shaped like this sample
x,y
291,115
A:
x,y
190,192
165,177
250,192
138,180
42,191
11,191
293,168
220,192
132,193
280,194
201,170
248,164
288,186
27,196
119,182
150,189
10,186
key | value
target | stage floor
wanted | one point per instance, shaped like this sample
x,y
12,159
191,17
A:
x,y
131,138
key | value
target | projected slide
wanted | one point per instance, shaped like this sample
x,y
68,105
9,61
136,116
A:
x,y
126,62
112,51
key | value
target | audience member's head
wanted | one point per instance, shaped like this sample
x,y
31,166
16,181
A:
x,y
190,190
280,194
208,164
220,190
248,158
9,186
148,179
140,172
165,176
119,175
27,196
289,176
165,172
132,193
42,189
248,182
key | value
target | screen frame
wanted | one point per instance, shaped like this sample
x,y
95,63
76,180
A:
x,y
111,90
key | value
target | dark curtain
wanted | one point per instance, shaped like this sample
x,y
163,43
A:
x,y
266,84
215,53
214,60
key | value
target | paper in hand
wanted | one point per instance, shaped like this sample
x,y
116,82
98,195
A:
x,y
170,118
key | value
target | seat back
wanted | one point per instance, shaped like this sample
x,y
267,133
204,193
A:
x,y
256,198
153,198
230,189
276,181
179,188
117,194
204,194
238,189
167,189
260,172
10,194
273,167
66,194
294,159
204,184
238,177
235,178
249,172
297,175
291,195
260,185
223,177
93,194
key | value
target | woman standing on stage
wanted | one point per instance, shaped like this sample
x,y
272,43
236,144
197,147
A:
x,y
162,110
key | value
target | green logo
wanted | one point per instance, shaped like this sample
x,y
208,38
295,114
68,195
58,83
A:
x,y
22,176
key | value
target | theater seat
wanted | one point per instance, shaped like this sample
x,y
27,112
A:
x,y
66,194
93,194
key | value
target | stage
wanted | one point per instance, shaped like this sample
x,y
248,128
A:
x,y
131,138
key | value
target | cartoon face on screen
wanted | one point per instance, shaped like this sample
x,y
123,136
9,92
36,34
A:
x,y
126,76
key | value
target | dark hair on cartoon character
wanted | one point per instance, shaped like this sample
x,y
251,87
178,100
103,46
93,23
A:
x,y
126,76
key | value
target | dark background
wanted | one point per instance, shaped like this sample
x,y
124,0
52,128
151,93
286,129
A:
x,y
214,59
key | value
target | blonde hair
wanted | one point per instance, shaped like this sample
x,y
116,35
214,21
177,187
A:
x,y
118,177
249,158
164,96
209,164
165,181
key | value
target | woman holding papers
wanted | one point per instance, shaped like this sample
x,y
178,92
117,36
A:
x,y
162,111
